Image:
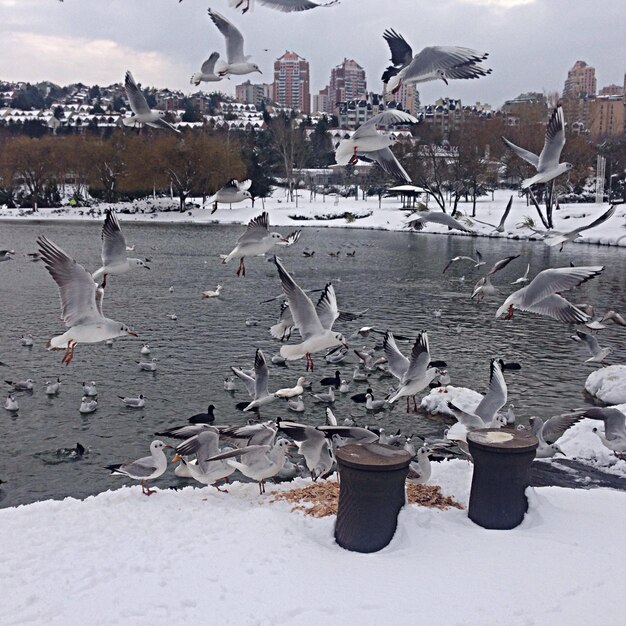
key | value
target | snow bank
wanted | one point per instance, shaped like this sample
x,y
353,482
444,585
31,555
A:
x,y
608,384
389,216
198,556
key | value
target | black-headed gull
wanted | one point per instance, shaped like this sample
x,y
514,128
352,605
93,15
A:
x,y
257,385
142,112
292,392
231,193
432,63
598,354
87,405
374,145
90,389
297,405
6,255
212,294
258,462
613,316
524,278
420,469
236,61
547,163
145,469
21,385
484,287
548,432
148,366
207,71
614,437
313,445
418,374
27,341
541,295
554,238
418,220
114,260
53,388
11,404
314,323
500,227
81,303
478,261
257,239
286,6
134,403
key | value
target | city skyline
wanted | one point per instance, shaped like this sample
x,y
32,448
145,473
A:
x,y
90,43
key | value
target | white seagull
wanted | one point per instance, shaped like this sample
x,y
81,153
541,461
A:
x,y
89,389
231,193
418,374
541,295
26,340
367,141
53,388
87,405
6,255
236,61
547,163
257,239
550,431
598,354
114,260
524,278
148,366
81,303
144,469
212,294
500,227
10,404
286,6
142,112
207,71
614,437
421,218
420,470
134,403
314,323
313,445
555,238
432,63
261,379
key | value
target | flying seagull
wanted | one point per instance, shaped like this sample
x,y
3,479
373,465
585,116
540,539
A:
x,y
420,219
207,71
554,238
500,227
257,239
287,6
233,191
432,63
142,112
81,303
114,259
547,163
541,295
236,61
368,142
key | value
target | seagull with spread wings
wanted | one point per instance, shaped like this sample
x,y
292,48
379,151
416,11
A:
x,y
366,141
207,71
143,114
232,192
418,220
257,239
554,238
432,63
286,6
541,295
500,227
314,323
236,61
114,260
547,163
81,303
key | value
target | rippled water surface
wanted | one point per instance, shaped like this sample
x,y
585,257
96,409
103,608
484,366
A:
x,y
398,276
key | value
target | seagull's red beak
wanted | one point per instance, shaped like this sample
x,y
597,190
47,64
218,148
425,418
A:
x,y
133,333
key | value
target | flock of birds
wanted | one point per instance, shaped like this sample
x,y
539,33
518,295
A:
x,y
210,453
260,450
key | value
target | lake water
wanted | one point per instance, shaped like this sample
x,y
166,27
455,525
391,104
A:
x,y
398,276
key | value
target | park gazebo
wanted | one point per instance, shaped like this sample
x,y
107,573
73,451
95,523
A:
x,y
409,194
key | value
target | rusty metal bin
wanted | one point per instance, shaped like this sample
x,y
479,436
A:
x,y
371,494
502,460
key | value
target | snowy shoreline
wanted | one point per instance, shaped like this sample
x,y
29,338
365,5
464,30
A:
x,y
390,217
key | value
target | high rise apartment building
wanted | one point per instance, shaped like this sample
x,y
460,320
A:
x,y
291,82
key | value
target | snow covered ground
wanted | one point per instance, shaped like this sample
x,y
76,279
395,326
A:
x,y
197,556
389,217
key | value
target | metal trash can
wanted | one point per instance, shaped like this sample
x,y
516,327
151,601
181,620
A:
x,y
371,494
502,460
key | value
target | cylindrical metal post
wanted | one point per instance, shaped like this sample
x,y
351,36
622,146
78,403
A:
x,y
502,460
371,494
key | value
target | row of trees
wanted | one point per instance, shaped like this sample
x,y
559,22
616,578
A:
x,y
121,164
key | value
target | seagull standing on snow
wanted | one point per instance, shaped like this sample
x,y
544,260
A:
x,y
314,323
547,163
432,63
207,71
114,259
541,295
367,141
420,470
231,193
142,112
81,303
257,239
237,61
144,469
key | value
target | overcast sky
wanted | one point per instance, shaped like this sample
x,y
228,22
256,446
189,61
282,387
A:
x,y
532,43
